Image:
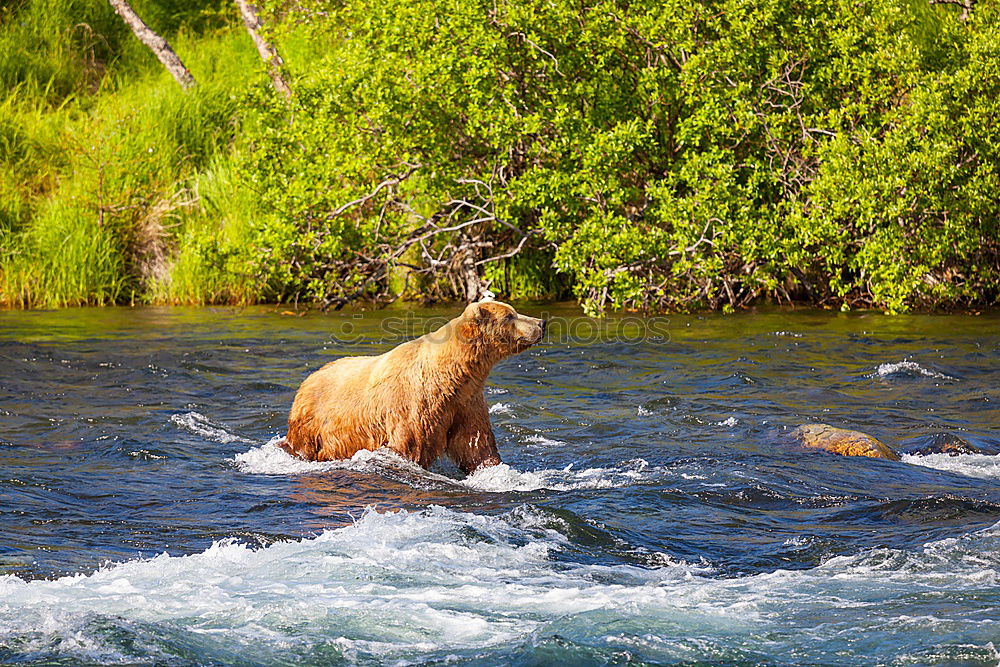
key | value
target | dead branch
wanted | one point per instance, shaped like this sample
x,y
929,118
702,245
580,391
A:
x,y
507,255
966,6
267,52
159,46
450,247
395,180
526,39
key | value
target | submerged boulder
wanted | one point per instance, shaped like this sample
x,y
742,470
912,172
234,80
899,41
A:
x,y
942,443
841,441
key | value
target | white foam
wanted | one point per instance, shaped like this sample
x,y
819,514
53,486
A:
x,y
501,409
538,439
798,541
199,424
502,478
908,368
961,563
390,583
970,465
731,421
269,459
643,411
401,585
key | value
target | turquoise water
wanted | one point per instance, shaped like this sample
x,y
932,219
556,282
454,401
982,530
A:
x,y
651,509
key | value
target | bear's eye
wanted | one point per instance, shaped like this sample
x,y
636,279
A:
x,y
510,317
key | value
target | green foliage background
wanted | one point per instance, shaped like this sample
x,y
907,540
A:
x,y
653,155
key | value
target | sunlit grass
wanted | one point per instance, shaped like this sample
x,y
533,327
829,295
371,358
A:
x,y
213,248
117,190
64,259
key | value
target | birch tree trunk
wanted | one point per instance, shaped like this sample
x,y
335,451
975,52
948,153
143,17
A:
x,y
267,52
159,46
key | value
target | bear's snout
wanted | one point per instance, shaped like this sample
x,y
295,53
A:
x,y
541,331
541,328
535,330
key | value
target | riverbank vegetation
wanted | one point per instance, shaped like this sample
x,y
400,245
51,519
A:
x,y
654,155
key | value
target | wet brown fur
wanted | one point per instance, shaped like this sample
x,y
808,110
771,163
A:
x,y
422,399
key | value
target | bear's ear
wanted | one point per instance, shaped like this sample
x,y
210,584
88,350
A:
x,y
472,318
478,311
472,311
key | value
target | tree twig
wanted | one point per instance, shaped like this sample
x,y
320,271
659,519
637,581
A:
x,y
396,180
158,45
267,51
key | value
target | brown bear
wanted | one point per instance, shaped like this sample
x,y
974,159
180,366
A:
x,y
421,399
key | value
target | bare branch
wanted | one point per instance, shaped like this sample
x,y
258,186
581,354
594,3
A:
x,y
159,46
443,230
396,180
538,48
507,254
267,52
482,210
966,6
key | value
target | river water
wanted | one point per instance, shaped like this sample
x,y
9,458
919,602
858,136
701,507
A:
x,y
650,508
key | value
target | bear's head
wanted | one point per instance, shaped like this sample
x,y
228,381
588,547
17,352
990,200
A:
x,y
497,327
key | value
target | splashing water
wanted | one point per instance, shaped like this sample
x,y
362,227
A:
x,y
909,369
971,465
419,586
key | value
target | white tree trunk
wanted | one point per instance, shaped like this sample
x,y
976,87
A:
x,y
159,46
267,52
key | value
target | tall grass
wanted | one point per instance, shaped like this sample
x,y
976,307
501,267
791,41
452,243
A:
x,y
113,178
213,250
59,48
29,156
64,259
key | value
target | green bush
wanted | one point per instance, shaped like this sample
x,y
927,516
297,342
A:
x,y
661,155
912,203
649,155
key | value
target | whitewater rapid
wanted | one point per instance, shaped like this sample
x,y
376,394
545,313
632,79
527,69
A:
x,y
403,585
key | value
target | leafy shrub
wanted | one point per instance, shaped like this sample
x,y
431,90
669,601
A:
x,y
662,155
657,155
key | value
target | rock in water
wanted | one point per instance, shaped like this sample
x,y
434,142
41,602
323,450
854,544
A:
x,y
841,441
943,443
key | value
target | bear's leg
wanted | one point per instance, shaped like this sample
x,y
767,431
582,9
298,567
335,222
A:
x,y
471,444
302,440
